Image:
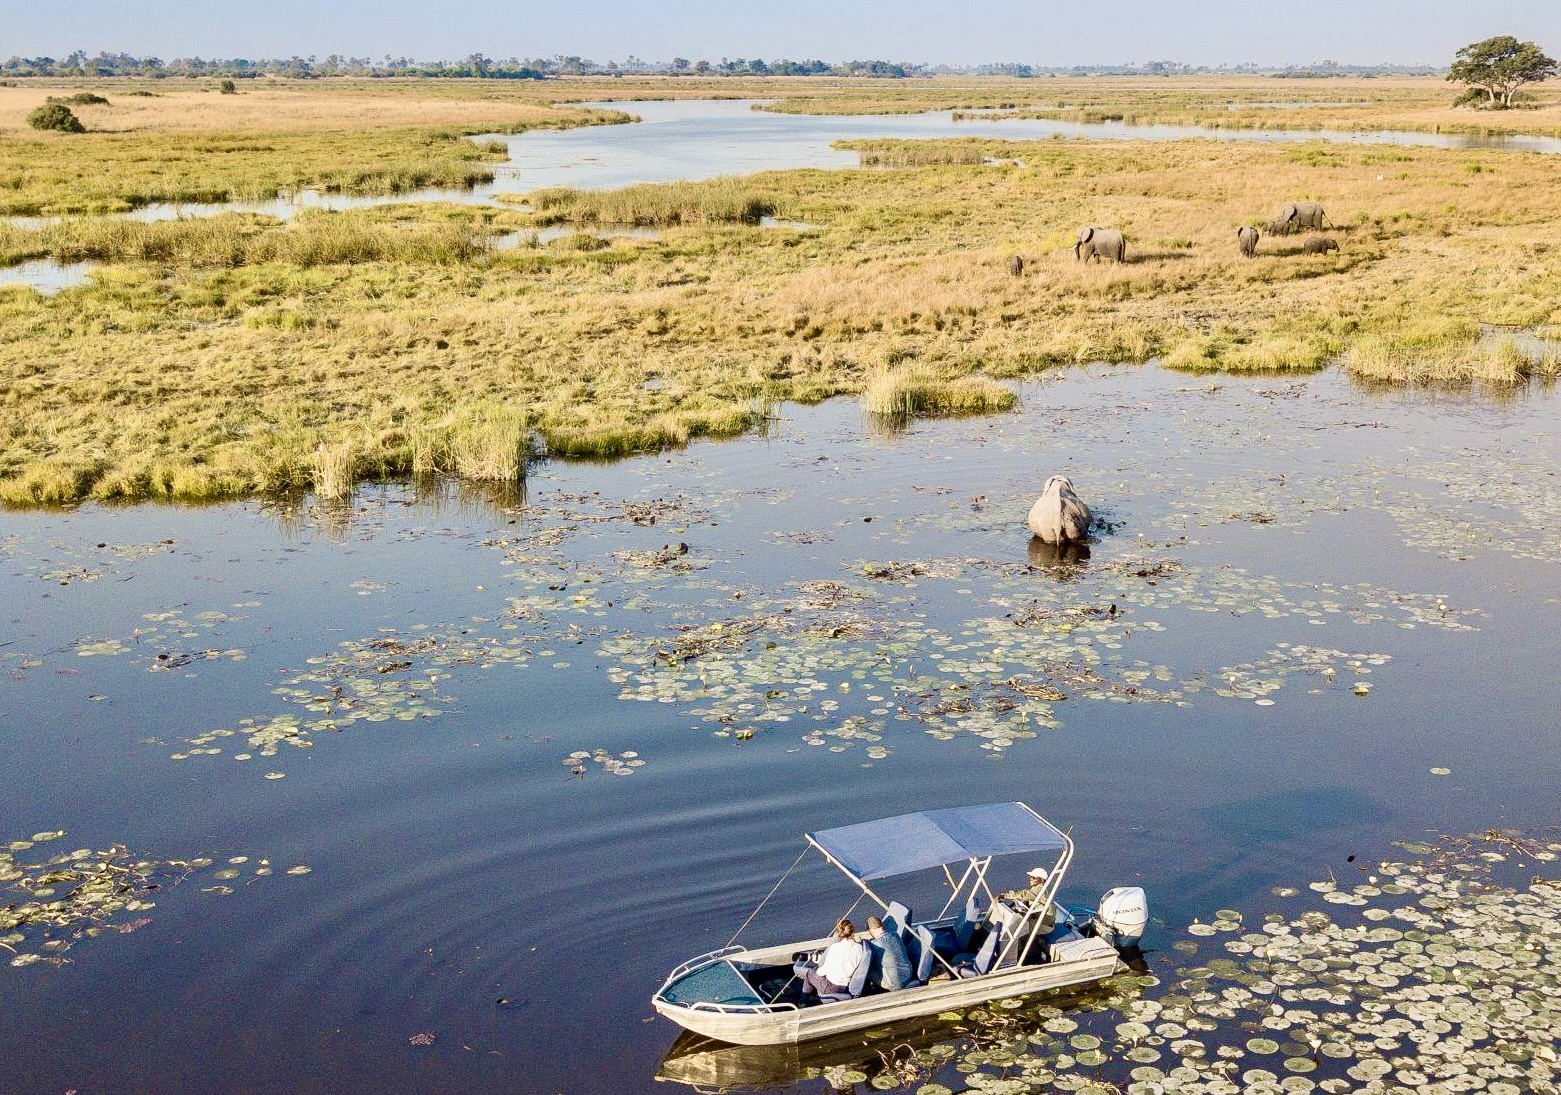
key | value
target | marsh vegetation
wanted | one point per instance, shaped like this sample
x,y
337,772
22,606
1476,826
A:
x,y
217,356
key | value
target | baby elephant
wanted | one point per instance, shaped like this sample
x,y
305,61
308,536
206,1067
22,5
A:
x,y
1098,243
1058,516
1015,265
1319,245
1247,237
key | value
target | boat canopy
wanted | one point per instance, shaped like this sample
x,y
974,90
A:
x,y
935,838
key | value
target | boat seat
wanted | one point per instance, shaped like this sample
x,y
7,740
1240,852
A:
x,y
974,965
956,940
919,949
858,981
897,918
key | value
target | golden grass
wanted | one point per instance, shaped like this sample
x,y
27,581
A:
x,y
892,392
719,201
210,360
314,238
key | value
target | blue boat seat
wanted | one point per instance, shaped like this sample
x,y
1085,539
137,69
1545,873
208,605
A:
x,y
919,949
956,940
897,918
974,965
858,981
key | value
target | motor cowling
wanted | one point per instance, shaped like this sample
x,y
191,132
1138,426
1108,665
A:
x,y
1122,916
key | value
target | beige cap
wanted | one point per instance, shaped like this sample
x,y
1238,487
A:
x,y
1038,872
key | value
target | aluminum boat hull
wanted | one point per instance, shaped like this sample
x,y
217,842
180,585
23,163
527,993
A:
x,y
752,1027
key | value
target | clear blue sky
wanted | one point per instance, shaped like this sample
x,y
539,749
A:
x,y
1033,31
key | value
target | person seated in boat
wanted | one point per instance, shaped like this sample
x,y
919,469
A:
x,y
1017,901
832,975
893,965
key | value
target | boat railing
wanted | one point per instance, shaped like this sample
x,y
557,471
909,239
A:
x,y
740,1009
701,960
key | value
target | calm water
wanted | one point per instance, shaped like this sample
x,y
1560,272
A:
x,y
457,861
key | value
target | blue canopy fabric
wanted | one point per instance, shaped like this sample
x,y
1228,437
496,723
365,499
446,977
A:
x,y
932,838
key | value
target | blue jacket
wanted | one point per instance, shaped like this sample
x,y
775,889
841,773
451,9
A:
x,y
891,964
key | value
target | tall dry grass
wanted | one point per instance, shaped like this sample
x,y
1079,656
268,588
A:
x,y
904,392
656,205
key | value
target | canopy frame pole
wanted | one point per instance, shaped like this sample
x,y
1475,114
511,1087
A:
x,y
1048,894
773,890
981,882
955,889
843,869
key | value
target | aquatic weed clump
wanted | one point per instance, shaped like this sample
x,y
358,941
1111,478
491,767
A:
x,y
47,906
1437,973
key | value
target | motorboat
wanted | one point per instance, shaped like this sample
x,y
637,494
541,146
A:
x,y
981,946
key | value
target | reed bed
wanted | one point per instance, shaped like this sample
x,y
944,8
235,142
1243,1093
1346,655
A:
x,y
656,205
893,153
315,238
908,392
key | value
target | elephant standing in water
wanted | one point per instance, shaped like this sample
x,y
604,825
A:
x,y
1098,243
1298,215
1059,516
1319,245
1247,237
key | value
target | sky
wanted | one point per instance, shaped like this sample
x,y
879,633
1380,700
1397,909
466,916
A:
x,y
1039,32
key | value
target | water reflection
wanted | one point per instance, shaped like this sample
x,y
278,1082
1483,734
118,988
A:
x,y
47,276
901,1054
1062,561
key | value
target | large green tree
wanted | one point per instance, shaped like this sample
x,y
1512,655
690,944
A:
x,y
1499,66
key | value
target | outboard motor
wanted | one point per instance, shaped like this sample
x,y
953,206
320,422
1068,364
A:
x,y
1122,916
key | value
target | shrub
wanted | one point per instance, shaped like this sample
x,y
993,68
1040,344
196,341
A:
x,y
228,87
56,116
82,98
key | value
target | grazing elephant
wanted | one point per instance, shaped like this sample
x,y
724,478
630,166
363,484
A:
x,y
1319,245
1098,243
1298,215
1247,237
1058,515
1015,265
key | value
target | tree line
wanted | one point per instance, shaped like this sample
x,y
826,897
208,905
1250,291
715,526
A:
x,y
477,66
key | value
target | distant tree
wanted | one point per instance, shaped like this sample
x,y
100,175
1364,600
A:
x,y
56,116
1499,66
680,64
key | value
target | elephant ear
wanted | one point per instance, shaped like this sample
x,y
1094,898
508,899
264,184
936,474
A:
x,y
1290,213
1085,235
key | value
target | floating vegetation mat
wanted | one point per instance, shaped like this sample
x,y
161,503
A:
x,y
854,658
49,905
1437,974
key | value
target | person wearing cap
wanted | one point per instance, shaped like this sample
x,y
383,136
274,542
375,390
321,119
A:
x,y
1020,900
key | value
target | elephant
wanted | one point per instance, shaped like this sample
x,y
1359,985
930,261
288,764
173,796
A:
x,y
1319,245
1298,215
1098,243
1058,515
1247,237
1015,265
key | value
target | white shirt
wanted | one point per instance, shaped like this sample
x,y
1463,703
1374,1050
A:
x,y
840,961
